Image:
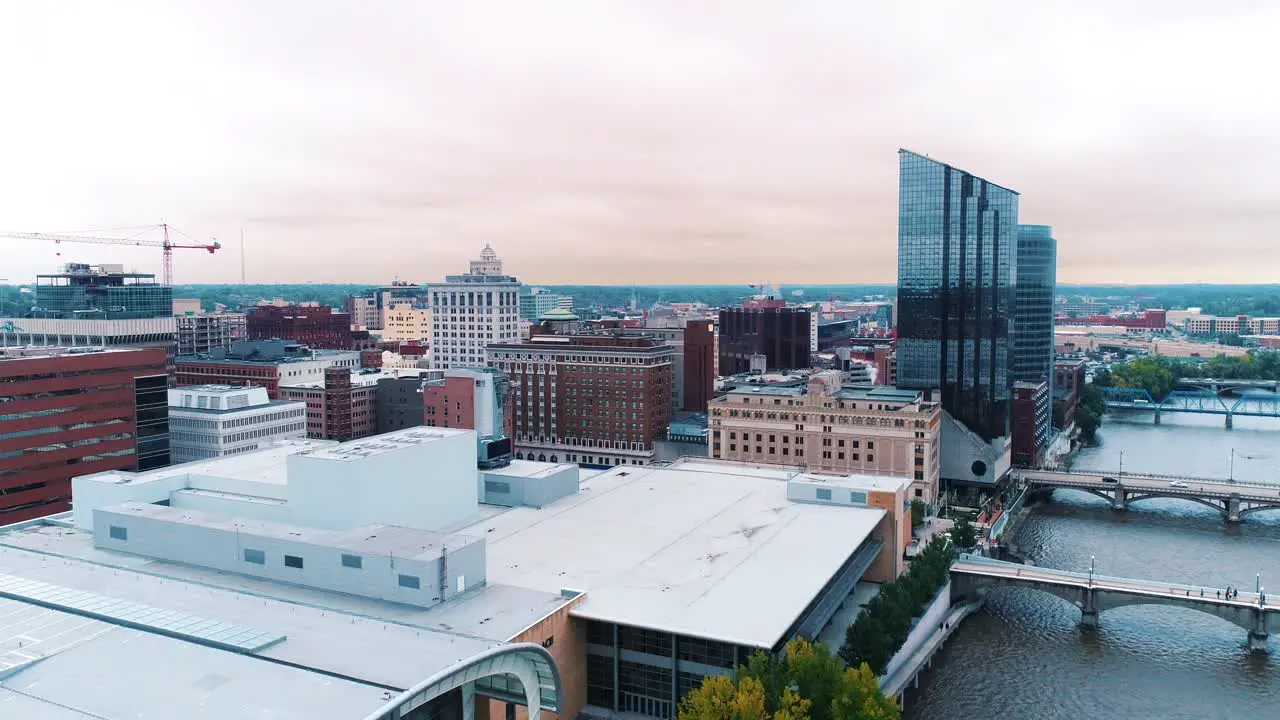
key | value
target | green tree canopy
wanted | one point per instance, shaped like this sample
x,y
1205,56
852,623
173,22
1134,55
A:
x,y
807,683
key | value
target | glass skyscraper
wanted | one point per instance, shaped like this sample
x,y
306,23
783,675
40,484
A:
x,y
1033,311
957,269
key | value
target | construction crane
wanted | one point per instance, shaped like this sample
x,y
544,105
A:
x,y
168,245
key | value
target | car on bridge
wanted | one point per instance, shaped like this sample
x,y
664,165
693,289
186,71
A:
x,y
1178,484
1109,480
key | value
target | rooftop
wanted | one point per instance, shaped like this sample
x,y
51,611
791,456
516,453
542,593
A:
x,y
266,466
529,469
339,657
381,444
678,548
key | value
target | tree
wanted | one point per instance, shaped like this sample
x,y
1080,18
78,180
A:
x,y
917,513
884,623
964,533
1102,378
806,682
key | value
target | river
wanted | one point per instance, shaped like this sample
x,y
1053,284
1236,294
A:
x,y
1025,657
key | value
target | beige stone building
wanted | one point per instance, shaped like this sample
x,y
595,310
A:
x,y
830,429
403,322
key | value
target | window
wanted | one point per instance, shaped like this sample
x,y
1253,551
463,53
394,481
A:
x,y
497,486
857,497
118,533
352,561
824,494
410,581
257,557
293,561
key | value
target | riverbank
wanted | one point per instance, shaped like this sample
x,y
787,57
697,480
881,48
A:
x,y
933,637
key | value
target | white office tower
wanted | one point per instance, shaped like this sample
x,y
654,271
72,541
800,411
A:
x,y
471,311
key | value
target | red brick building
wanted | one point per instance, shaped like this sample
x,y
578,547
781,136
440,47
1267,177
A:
x,y
699,364
64,415
590,399
1068,381
313,326
1029,423
337,407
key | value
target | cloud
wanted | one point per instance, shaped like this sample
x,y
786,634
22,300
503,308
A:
x,y
639,142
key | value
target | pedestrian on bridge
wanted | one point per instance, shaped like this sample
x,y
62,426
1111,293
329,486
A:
x,y
1218,593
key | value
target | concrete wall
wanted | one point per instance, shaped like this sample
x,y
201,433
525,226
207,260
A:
x,y
231,507
88,495
538,491
923,630
431,486
221,549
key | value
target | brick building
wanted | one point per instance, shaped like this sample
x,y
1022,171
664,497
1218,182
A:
x,y
313,326
65,414
1029,425
590,399
263,363
471,399
340,407
699,364
828,428
1068,381
780,334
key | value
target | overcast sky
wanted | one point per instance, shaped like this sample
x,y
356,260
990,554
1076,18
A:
x,y
656,141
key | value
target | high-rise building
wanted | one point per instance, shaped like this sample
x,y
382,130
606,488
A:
x,y
957,269
1030,422
780,334
1033,309
471,311
699,364
67,413
211,421
591,399
101,292
313,326
536,302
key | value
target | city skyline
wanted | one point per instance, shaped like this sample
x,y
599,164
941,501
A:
x,y
632,144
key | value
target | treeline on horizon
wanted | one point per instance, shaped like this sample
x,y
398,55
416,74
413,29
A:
x,y
1217,299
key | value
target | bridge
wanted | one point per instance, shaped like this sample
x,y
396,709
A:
x,y
1208,396
973,576
1233,499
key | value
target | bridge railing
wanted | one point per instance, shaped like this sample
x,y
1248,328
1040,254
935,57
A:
x,y
1149,476
1171,588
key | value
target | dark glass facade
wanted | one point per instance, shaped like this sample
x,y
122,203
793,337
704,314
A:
x,y
95,292
957,269
780,334
1033,311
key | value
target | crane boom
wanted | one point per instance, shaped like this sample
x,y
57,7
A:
x,y
166,244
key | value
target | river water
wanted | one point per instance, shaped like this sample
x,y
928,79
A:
x,y
1025,657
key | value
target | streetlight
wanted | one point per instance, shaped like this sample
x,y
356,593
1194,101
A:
x,y
1121,473
1258,583
1091,559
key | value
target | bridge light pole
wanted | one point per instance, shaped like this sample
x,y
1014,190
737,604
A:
x,y
1091,559
1121,473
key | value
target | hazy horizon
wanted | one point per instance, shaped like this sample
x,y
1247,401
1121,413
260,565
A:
x,y
634,143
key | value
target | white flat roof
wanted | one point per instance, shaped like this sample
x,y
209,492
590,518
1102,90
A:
x,y
364,639
385,443
373,539
530,469
266,465
712,550
856,481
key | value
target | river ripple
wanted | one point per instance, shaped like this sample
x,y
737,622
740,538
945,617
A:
x,y
1025,657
